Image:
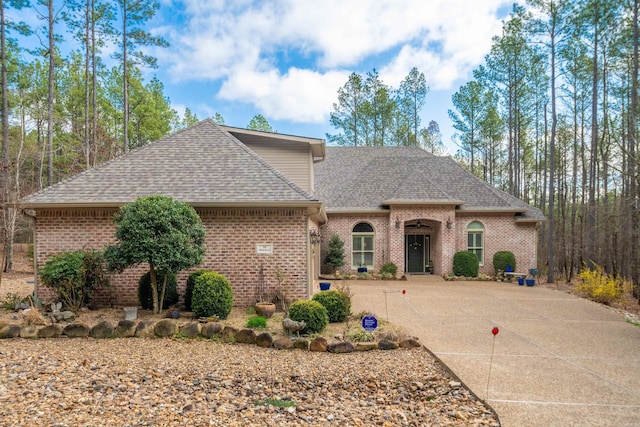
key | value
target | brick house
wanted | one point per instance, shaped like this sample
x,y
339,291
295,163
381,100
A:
x,y
264,198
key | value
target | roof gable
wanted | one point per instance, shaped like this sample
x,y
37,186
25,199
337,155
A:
x,y
201,165
368,178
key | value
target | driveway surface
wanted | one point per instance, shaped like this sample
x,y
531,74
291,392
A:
x,y
557,360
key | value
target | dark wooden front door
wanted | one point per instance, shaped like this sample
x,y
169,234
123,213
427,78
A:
x,y
416,253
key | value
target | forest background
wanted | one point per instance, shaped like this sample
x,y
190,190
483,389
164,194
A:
x,y
550,116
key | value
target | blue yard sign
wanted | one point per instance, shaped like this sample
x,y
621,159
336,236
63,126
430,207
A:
x,y
369,323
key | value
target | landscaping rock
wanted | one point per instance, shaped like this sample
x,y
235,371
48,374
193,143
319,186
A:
x,y
191,330
50,331
282,343
229,333
165,328
29,331
3,324
246,336
366,346
318,344
145,329
340,347
103,329
76,330
410,343
125,329
211,329
301,343
265,340
10,331
387,345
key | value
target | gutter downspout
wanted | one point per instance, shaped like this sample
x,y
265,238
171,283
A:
x,y
30,213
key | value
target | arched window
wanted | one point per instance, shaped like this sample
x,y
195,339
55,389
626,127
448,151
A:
x,y
475,240
362,238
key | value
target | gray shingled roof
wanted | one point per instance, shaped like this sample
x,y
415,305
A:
x,y
202,165
370,178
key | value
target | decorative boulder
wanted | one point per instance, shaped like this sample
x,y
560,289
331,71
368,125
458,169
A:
x,y
76,330
265,340
387,345
29,331
191,330
410,343
50,331
318,344
229,333
366,346
246,336
302,344
125,329
165,328
10,331
282,343
211,329
340,347
145,329
103,329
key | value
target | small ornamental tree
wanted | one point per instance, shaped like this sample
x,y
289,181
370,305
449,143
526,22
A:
x,y
335,253
160,231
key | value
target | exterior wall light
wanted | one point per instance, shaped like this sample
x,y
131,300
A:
x,y
314,236
398,222
449,223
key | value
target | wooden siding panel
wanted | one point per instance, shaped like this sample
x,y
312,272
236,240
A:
x,y
292,161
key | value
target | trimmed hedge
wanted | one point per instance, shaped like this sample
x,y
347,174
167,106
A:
x,y
465,264
212,295
144,290
312,313
337,303
188,293
502,260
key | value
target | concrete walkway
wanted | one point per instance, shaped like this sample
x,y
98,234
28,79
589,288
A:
x,y
558,360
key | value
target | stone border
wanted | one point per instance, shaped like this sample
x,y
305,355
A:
x,y
169,328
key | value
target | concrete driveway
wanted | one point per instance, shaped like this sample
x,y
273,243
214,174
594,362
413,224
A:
x,y
557,359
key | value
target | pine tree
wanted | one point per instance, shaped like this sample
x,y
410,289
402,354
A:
x,y
335,253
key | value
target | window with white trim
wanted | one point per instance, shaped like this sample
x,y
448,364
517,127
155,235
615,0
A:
x,y
362,238
475,240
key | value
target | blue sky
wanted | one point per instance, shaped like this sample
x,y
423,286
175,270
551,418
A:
x,y
286,59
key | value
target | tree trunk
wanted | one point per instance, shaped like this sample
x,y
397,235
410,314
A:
x,y
51,98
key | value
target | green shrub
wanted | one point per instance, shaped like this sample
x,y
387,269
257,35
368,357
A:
x,y
504,259
465,264
389,268
191,282
335,252
170,294
75,275
257,322
312,313
212,295
338,304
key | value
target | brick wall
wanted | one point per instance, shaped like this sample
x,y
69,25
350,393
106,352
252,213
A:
x,y
501,233
232,235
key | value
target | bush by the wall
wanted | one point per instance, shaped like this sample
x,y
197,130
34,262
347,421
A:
x,y
188,293
600,286
312,313
75,275
212,295
170,294
465,264
504,259
338,304
389,268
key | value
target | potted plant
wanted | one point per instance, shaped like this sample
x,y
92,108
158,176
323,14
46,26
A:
x,y
263,306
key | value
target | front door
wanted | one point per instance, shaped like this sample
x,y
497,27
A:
x,y
417,253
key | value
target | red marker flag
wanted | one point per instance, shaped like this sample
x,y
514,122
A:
x,y
495,330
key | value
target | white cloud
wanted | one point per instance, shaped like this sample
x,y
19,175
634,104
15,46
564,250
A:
x,y
299,95
240,43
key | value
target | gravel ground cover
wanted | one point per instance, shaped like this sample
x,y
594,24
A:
x,y
161,382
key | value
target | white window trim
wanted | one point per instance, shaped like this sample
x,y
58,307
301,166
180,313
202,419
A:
x,y
474,248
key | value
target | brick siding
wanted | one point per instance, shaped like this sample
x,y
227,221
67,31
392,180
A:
x,y
501,233
232,235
